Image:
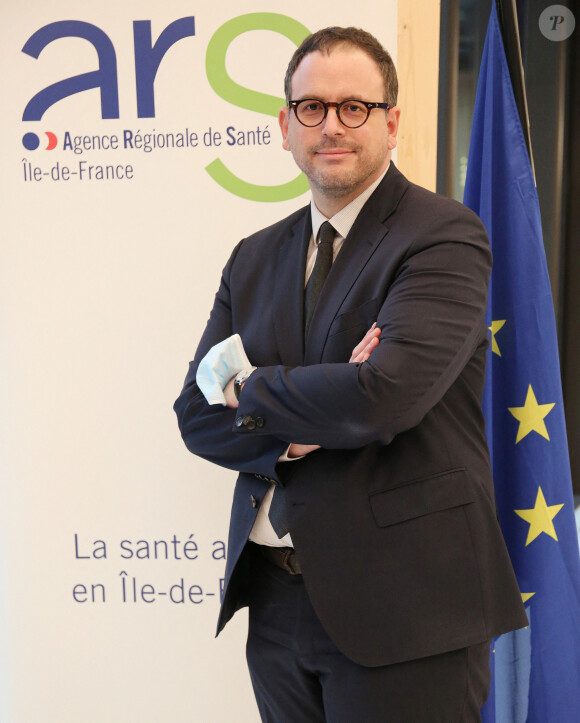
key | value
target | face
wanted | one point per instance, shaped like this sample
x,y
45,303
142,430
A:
x,y
339,162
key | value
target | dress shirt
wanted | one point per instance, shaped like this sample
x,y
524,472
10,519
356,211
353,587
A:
x,y
262,532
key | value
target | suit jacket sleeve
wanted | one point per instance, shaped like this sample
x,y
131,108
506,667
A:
x,y
207,429
432,322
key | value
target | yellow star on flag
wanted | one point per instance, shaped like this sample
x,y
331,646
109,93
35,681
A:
x,y
531,416
494,328
540,518
526,596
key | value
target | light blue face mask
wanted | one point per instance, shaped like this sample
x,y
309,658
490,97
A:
x,y
222,362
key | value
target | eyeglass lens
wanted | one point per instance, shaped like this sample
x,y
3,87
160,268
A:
x,y
312,112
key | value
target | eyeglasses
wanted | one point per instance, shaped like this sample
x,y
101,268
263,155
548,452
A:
x,y
351,113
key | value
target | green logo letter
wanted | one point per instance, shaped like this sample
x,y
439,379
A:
x,y
226,88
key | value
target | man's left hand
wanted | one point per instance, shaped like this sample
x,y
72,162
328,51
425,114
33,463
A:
x,y
364,348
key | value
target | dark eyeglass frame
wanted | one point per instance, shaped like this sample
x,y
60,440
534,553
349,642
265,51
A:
x,y
337,106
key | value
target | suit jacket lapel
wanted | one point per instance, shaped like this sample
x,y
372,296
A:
x,y
289,292
367,233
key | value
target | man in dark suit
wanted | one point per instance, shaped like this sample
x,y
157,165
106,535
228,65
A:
x,y
363,533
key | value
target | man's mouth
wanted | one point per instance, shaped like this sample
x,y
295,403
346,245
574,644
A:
x,y
334,152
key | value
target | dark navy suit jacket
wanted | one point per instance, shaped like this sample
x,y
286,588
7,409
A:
x,y
394,519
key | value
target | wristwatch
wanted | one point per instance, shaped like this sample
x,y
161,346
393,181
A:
x,y
239,381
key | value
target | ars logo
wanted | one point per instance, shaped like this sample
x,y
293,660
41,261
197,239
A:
x,y
148,57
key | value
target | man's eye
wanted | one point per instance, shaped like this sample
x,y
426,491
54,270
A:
x,y
312,107
354,108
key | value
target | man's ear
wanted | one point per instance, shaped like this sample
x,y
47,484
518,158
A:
x,y
283,117
393,115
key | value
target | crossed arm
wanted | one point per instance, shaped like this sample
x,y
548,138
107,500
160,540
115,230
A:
x,y
360,353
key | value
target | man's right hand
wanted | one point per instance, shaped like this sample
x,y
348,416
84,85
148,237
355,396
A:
x,y
360,353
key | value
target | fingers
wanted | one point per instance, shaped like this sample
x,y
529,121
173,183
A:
x,y
301,450
364,348
362,344
373,343
367,351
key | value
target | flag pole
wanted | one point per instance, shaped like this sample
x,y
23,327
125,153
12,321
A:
x,y
508,22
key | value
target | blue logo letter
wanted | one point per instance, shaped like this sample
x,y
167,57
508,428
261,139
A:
x,y
148,57
104,78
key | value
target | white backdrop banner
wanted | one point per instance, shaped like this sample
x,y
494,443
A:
x,y
140,142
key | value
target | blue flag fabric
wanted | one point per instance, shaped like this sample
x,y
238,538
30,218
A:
x,y
535,671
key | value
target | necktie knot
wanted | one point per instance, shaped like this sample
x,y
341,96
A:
x,y
326,233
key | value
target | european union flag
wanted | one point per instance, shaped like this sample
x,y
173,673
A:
x,y
536,671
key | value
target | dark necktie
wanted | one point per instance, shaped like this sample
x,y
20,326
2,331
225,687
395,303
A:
x,y
324,255
319,272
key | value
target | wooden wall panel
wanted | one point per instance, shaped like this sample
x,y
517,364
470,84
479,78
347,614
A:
x,y
418,69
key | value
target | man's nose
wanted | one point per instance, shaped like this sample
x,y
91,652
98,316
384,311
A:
x,y
332,125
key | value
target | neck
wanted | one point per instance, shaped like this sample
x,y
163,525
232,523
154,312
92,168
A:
x,y
331,201
329,206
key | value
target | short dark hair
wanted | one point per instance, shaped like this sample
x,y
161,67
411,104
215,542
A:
x,y
327,38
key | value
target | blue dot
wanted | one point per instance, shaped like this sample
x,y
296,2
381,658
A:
x,y
30,141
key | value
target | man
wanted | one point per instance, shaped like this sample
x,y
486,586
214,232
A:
x,y
376,597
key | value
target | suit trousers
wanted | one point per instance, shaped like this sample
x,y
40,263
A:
x,y
300,676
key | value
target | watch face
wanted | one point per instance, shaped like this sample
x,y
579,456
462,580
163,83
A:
x,y
238,381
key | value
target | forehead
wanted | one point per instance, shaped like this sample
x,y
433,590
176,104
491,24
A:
x,y
344,72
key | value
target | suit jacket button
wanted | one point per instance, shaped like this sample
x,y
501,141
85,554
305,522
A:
x,y
250,422
259,422
254,501
239,421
